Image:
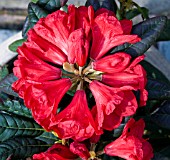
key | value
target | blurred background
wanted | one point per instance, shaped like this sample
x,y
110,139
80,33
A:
x,y
13,12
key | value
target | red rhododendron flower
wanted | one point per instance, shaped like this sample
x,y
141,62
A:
x,y
80,149
130,145
75,121
65,51
112,105
56,152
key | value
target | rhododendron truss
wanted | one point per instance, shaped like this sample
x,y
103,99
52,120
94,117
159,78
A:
x,y
69,52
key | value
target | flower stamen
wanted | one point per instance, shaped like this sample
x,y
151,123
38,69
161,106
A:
x,y
87,80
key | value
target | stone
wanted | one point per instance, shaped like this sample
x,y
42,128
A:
x,y
154,56
14,4
164,48
157,7
6,55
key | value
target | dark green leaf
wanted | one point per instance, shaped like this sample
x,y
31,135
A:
x,y
148,31
162,116
13,46
15,107
108,4
118,131
3,72
35,13
158,156
135,12
51,5
21,147
120,48
48,137
12,126
5,85
165,35
26,27
166,152
157,90
106,157
153,72
34,1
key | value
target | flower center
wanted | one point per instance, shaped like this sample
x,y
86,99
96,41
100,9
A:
x,y
80,76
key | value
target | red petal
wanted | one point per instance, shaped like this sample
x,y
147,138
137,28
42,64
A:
x,y
107,99
104,11
126,26
113,63
111,121
56,152
80,149
30,67
134,128
104,28
128,106
78,47
42,99
129,149
45,50
71,123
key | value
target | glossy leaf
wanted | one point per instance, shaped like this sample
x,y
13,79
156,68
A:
x,y
136,11
21,147
148,31
108,4
48,137
165,35
15,107
26,27
13,46
153,72
34,1
3,72
51,5
159,156
120,48
12,126
162,116
157,90
35,13
5,85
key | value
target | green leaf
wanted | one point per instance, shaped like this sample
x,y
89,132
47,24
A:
x,y
157,90
148,31
135,12
153,72
165,152
165,35
13,46
15,107
20,148
12,126
47,137
162,116
5,85
158,156
35,13
106,157
3,72
51,5
34,1
26,27
120,48
108,4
